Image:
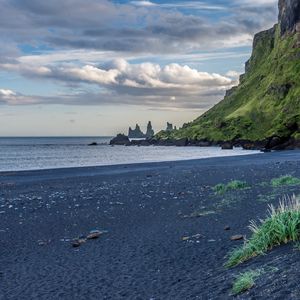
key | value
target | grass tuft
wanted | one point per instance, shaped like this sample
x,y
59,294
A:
x,y
231,186
285,180
245,281
282,226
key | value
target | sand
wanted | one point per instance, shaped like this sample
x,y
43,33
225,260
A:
x,y
163,226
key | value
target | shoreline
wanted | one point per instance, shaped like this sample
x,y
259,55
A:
x,y
255,152
266,145
128,167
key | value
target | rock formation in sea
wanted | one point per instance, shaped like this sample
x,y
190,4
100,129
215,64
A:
x,y
169,127
120,139
136,133
150,131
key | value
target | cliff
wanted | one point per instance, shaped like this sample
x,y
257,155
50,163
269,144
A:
x,y
265,107
289,15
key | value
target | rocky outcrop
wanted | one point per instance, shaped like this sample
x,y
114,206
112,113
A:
x,y
278,143
227,146
262,42
136,133
289,15
181,142
120,139
273,143
150,131
169,127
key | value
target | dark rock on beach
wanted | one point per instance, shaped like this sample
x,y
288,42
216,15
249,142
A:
x,y
203,143
181,142
273,143
139,143
227,146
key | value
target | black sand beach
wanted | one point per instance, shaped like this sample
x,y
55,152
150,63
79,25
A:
x,y
165,234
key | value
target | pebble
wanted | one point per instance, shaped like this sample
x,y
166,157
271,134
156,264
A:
x,y
78,242
94,234
195,236
237,237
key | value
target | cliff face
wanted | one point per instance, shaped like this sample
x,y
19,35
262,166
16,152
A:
x,y
265,106
289,15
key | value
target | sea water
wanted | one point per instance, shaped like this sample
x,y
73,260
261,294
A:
x,y
33,153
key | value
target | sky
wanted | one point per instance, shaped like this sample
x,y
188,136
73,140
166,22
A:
x,y
96,67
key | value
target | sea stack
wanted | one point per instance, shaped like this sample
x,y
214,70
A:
x,y
169,127
136,133
150,131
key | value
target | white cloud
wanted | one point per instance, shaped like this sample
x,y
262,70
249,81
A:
x,y
10,97
7,93
145,78
256,3
143,3
233,74
184,4
172,86
91,74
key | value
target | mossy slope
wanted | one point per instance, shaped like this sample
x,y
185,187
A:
x,y
265,104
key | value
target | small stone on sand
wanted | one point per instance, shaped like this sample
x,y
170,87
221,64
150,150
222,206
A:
x,y
94,234
237,237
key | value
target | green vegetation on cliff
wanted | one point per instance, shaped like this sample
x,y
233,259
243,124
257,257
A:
x,y
266,103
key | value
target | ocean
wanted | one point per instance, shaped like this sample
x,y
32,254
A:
x,y
33,153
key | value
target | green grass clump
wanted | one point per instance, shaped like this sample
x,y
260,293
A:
x,y
220,188
281,227
245,281
232,185
285,180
